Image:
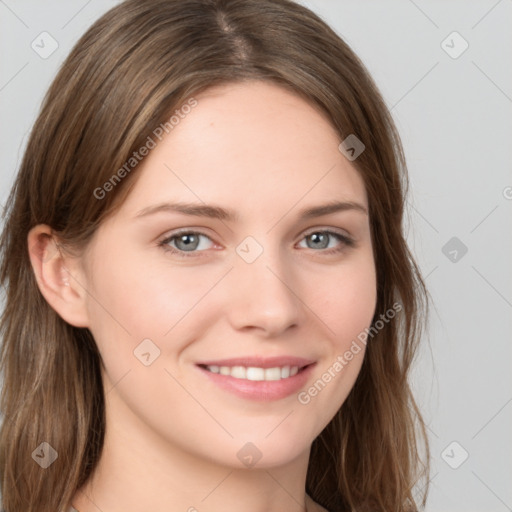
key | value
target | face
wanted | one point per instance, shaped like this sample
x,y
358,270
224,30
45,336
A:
x,y
221,323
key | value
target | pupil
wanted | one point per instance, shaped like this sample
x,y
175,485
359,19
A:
x,y
187,240
318,238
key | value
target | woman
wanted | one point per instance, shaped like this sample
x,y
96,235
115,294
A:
x,y
210,302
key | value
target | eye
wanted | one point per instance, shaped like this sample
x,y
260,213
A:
x,y
185,242
320,239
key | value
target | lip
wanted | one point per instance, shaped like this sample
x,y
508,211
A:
x,y
259,362
263,391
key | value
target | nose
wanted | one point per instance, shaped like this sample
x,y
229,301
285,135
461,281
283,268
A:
x,y
262,294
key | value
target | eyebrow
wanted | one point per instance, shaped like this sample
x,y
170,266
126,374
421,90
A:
x,y
217,212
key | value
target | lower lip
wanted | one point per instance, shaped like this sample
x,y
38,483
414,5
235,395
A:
x,y
262,390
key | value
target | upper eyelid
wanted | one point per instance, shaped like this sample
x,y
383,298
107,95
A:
x,y
338,231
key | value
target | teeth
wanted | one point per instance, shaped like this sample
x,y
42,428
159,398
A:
x,y
273,374
238,372
254,373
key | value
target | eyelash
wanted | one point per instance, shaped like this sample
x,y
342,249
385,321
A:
x,y
344,239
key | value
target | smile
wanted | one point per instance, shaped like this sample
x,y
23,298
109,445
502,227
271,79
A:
x,y
255,373
258,378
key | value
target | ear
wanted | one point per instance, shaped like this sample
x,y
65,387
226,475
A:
x,y
59,276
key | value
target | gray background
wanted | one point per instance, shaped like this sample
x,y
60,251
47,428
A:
x,y
454,116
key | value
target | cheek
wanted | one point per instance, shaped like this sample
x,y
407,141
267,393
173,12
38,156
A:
x,y
347,303
133,300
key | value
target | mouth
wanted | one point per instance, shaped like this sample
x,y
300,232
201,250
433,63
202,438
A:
x,y
255,373
258,378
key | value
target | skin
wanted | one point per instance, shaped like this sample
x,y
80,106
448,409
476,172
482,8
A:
x,y
172,436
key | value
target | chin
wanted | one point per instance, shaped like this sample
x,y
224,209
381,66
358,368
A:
x,y
272,450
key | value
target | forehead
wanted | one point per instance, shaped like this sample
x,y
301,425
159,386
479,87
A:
x,y
251,144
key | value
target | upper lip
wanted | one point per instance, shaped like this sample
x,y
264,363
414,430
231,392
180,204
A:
x,y
259,362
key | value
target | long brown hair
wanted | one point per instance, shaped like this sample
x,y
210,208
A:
x,y
131,69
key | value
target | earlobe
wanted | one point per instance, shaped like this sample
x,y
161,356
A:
x,y
58,275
